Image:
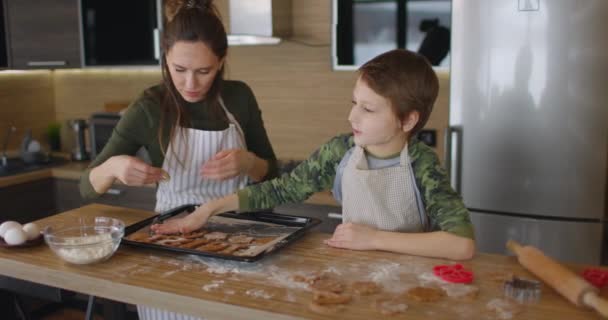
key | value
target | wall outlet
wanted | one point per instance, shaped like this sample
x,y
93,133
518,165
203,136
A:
x,y
428,136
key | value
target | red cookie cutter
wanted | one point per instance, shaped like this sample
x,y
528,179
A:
x,y
455,273
596,277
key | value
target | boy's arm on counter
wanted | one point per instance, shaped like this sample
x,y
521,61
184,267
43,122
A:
x,y
437,244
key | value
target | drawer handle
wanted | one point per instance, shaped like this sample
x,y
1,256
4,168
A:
x,y
156,43
47,63
333,215
114,192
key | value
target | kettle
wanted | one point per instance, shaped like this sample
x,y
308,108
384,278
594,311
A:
x,y
79,153
31,152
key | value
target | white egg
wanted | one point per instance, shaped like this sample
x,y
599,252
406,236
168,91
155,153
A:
x,y
8,225
15,236
31,230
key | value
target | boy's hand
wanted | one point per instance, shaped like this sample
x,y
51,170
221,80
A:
x,y
187,224
353,236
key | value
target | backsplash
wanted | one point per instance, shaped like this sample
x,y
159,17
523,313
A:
x,y
26,102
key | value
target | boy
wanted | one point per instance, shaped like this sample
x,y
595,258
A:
x,y
395,196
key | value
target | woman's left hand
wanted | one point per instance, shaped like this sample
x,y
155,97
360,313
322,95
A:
x,y
228,164
353,236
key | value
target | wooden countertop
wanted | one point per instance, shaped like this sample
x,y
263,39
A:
x,y
220,289
73,170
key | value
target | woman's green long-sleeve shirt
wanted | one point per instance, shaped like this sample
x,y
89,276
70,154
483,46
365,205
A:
x,y
138,128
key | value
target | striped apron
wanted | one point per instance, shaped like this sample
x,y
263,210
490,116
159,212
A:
x,y
186,185
384,199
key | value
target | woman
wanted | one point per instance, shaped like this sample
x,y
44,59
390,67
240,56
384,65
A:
x,y
203,132
205,135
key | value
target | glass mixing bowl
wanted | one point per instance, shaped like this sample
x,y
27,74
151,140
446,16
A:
x,y
87,240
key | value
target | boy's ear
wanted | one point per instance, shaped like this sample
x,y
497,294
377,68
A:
x,y
410,121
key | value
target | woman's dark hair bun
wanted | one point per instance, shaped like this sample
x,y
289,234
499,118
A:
x,y
172,7
201,4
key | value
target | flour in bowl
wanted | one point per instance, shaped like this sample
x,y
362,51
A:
x,y
88,249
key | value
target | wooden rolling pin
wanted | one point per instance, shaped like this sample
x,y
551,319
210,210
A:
x,y
564,281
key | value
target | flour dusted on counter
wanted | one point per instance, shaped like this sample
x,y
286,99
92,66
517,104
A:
x,y
100,247
387,274
259,293
427,278
215,284
220,266
453,290
504,309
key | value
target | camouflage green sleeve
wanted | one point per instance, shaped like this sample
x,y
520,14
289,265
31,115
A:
x,y
443,205
315,174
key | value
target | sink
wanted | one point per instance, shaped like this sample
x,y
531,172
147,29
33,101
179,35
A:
x,y
17,166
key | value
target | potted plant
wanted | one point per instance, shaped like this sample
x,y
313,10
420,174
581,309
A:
x,y
53,133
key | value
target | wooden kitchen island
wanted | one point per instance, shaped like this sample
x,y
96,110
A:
x,y
220,289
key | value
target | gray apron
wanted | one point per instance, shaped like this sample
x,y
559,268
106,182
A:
x,y
384,199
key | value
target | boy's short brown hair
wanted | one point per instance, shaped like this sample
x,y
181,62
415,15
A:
x,y
406,79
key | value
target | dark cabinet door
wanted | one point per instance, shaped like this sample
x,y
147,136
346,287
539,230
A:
x,y
143,198
67,196
120,32
38,199
27,201
327,214
3,49
43,34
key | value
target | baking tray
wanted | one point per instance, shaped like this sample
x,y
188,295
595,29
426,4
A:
x,y
278,230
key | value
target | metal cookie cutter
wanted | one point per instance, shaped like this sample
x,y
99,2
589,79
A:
x,y
524,291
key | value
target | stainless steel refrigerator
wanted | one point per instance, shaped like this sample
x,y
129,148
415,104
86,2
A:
x,y
528,137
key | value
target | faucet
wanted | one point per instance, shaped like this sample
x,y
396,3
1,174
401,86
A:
x,y
4,158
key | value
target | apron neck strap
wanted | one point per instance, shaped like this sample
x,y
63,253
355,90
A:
x,y
362,163
233,121
229,115
404,156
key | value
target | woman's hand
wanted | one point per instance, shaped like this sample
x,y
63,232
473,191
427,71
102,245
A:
x,y
187,224
132,171
352,236
228,164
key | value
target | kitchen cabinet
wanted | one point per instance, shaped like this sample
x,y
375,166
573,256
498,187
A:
x,y
43,34
144,198
67,196
50,196
328,224
27,201
35,200
419,26
3,50
129,197
129,36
